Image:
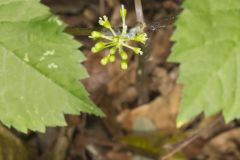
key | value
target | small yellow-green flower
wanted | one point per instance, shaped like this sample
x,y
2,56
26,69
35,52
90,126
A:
x,y
96,34
140,37
116,42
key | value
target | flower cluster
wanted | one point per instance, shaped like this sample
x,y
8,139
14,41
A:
x,y
116,41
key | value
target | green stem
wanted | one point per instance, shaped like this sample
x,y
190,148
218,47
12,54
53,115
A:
x,y
113,32
107,37
128,46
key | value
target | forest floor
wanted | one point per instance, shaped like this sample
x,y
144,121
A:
x,y
141,109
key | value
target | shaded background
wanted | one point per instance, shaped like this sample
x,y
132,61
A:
x,y
141,109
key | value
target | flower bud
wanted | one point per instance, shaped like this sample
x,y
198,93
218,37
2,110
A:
x,y
123,11
124,65
94,50
113,50
137,50
99,45
112,58
104,22
142,37
123,55
96,34
104,61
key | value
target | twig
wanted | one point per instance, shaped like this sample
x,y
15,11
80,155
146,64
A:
x,y
191,139
139,12
142,71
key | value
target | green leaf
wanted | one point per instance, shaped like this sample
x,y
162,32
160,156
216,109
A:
x,y
39,68
207,47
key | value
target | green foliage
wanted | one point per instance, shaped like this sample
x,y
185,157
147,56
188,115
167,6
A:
x,y
40,68
207,47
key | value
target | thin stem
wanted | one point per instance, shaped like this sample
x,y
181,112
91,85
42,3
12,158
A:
x,y
128,46
113,32
142,70
120,49
107,37
110,45
192,138
139,12
124,27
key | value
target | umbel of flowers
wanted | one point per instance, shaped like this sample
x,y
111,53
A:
x,y
116,42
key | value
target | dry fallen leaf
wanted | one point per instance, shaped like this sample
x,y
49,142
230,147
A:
x,y
161,112
225,145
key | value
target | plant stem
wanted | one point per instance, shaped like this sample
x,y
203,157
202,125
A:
x,y
142,70
113,32
139,12
192,138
